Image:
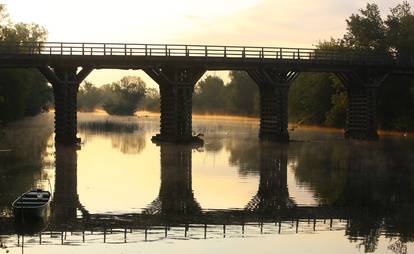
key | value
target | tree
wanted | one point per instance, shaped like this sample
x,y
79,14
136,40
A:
x,y
310,98
23,92
366,30
123,97
336,116
89,97
210,95
151,101
242,95
400,27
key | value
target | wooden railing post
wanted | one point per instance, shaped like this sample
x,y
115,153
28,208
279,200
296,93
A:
x,y
225,51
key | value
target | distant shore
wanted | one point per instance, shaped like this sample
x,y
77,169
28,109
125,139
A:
x,y
292,126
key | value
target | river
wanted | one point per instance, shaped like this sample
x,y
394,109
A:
x,y
120,193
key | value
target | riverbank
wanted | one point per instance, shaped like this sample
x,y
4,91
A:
x,y
292,126
219,117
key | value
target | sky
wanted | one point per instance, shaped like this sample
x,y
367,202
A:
x,y
278,23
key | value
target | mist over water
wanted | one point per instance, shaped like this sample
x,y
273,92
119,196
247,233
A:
x,y
366,187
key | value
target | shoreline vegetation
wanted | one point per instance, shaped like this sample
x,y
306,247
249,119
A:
x,y
315,99
219,117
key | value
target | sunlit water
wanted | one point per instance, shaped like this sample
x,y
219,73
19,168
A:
x,y
317,194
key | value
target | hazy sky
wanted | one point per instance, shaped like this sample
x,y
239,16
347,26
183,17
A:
x,y
290,23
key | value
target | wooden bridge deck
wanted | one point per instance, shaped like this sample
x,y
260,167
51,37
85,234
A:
x,y
211,57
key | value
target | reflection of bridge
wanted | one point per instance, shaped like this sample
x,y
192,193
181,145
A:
x,y
175,212
175,204
177,68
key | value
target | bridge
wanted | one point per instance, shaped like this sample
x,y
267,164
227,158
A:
x,y
177,68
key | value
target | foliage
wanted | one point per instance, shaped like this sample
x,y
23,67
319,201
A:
x,y
151,101
366,30
209,95
310,97
122,97
22,91
89,97
336,115
400,27
243,94
239,97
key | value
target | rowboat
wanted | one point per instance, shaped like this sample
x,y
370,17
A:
x,y
31,211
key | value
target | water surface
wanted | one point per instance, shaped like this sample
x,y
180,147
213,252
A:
x,y
120,193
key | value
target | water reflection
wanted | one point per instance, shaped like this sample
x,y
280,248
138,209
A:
x,y
176,194
124,135
65,198
28,141
273,190
364,189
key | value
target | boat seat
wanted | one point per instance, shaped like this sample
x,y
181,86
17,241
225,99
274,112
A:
x,y
29,203
34,199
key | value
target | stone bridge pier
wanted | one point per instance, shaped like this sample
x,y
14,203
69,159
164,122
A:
x,y
176,91
65,82
362,88
274,91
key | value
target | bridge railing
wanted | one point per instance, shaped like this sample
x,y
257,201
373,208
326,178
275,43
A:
x,y
194,51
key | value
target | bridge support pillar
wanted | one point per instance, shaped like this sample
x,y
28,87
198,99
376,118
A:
x,y
362,88
274,90
176,91
65,82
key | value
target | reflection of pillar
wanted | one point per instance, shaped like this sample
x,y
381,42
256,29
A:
x,y
273,190
365,197
176,195
65,198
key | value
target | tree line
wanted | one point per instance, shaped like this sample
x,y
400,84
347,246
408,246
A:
x,y
23,92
